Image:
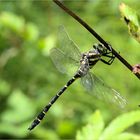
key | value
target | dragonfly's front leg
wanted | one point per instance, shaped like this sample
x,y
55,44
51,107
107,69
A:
x,y
110,55
110,61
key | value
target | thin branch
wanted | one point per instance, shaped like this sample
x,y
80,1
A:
x,y
77,18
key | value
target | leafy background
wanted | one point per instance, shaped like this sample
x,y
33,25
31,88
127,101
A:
x,y
28,78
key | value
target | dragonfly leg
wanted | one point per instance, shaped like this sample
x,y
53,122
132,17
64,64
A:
x,y
109,62
110,55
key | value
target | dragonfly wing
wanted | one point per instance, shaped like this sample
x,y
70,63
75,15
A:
x,y
87,82
67,46
101,90
63,63
57,57
67,55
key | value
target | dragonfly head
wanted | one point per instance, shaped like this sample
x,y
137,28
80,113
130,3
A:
x,y
100,48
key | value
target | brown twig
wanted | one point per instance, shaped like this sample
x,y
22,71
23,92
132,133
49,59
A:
x,y
77,18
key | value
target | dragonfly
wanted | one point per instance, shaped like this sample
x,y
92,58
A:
x,y
67,56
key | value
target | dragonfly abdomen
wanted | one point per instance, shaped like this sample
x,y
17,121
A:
x,y
41,115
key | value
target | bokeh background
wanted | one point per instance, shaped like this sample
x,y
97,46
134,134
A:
x,y
29,79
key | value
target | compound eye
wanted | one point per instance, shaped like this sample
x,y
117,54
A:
x,y
95,46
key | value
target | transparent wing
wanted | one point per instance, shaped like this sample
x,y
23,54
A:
x,y
67,46
87,82
63,63
97,87
67,54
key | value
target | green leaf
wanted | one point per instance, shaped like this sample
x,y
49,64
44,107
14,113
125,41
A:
x,y
14,119
20,108
17,24
93,129
120,124
127,136
131,18
12,22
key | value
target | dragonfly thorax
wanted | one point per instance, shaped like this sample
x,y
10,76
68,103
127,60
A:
x,y
88,60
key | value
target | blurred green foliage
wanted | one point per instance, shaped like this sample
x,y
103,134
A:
x,y
28,79
94,129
